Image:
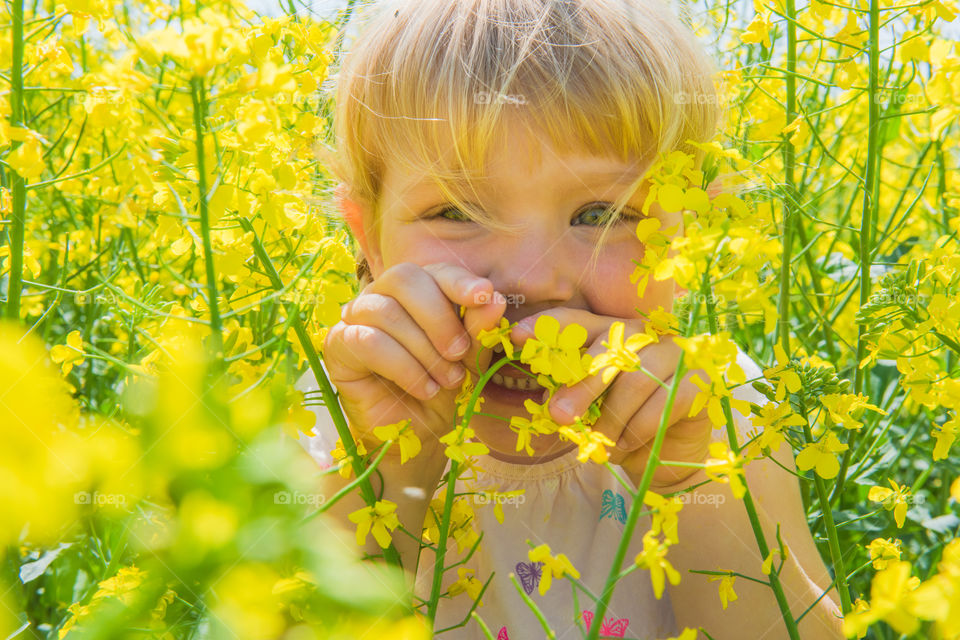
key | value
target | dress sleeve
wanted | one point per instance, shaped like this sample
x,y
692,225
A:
x,y
325,435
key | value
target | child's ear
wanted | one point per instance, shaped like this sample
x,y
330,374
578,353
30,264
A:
x,y
359,219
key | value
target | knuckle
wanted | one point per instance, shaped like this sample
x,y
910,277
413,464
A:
x,y
404,272
362,338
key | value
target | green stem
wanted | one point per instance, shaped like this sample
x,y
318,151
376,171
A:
x,y
734,443
17,187
789,161
870,185
636,505
330,400
199,116
441,551
839,572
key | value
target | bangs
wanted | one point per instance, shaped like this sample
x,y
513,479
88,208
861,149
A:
x,y
430,85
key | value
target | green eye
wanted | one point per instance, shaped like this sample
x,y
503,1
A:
x,y
452,214
596,215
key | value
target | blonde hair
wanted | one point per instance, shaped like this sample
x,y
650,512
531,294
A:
x,y
625,78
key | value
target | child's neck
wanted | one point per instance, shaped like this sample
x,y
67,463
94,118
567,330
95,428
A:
x,y
535,459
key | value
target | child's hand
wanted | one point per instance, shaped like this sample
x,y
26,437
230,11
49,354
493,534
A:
x,y
397,350
630,413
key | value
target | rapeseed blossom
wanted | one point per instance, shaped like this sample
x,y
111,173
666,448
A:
x,y
403,434
380,519
895,499
556,353
553,566
654,558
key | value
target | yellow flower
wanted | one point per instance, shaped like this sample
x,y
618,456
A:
x,y
463,396
758,31
619,356
592,443
467,583
664,515
491,337
403,434
654,558
893,499
724,466
540,423
462,519
459,447
890,601
379,519
945,435
767,565
557,354
69,354
774,419
821,455
786,378
882,551
553,567
121,586
727,594
339,454
686,634
842,406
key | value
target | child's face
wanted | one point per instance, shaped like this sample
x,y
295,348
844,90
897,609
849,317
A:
x,y
545,264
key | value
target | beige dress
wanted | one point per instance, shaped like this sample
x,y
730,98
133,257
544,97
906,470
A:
x,y
578,509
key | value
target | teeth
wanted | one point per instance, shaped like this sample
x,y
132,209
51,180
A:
x,y
522,384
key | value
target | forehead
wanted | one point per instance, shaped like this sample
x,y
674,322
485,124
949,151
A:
x,y
518,160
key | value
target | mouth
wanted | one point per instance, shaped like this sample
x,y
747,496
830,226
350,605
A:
x,y
510,386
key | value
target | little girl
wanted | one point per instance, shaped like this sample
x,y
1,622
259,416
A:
x,y
477,140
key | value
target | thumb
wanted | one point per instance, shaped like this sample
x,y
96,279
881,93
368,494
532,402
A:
x,y
479,318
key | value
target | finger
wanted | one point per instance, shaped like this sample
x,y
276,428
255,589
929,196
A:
x,y
477,319
429,294
642,427
358,351
633,389
658,359
388,315
597,326
567,403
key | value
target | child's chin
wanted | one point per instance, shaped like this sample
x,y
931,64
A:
x,y
502,441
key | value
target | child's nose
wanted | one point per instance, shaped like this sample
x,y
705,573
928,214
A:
x,y
534,270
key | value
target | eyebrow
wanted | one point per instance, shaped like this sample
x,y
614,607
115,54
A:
x,y
587,179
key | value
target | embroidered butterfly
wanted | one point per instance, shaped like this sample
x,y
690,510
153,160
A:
x,y
529,574
503,634
615,628
613,505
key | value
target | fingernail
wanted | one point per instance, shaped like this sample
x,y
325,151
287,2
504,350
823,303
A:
x,y
432,388
459,347
566,406
622,444
455,375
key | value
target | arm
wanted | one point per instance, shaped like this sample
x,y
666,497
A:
x,y
715,534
